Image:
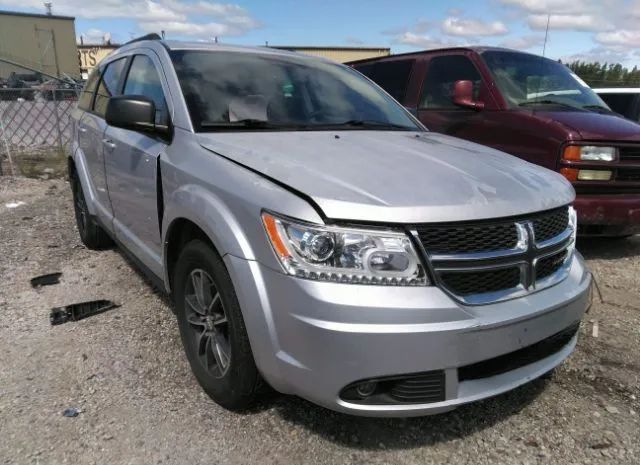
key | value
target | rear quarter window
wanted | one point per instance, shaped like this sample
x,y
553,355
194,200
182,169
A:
x,y
86,96
392,76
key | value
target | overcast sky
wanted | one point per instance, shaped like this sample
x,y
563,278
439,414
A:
x,y
604,30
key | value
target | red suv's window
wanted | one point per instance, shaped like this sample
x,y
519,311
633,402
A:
x,y
443,72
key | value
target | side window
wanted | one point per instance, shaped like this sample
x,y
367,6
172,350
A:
x,y
108,85
366,69
393,76
84,102
443,72
143,79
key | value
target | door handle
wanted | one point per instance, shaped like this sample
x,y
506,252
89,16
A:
x,y
81,129
109,144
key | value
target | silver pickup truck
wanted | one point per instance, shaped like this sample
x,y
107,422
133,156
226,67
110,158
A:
x,y
316,238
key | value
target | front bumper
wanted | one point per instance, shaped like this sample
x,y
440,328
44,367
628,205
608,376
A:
x,y
314,338
608,215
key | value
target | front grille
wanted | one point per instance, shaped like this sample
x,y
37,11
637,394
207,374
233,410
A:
x,y
628,174
454,239
519,358
550,224
548,265
485,261
464,283
630,153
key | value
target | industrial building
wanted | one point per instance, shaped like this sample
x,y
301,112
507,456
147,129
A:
x,y
339,54
43,43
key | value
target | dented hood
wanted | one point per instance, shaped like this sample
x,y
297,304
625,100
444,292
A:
x,y
395,176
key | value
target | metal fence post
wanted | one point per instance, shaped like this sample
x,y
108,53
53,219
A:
x,y
57,114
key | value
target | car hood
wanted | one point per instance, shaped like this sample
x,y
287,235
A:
x,y
396,176
589,125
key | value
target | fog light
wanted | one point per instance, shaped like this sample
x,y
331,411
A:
x,y
366,389
594,175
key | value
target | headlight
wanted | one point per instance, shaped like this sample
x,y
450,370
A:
x,y
344,255
590,153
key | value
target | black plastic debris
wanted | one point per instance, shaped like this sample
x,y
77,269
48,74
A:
x,y
46,280
71,412
79,311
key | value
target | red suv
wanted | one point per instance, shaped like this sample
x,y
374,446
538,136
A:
x,y
533,108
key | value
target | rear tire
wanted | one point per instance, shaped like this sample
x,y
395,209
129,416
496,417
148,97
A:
x,y
91,234
212,328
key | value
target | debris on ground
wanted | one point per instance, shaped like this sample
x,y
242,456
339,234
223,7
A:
x,y
71,412
79,311
14,204
46,280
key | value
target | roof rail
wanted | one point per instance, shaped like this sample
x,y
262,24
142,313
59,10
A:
x,y
152,36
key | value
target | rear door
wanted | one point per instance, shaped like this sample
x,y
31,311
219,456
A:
x,y
90,135
132,159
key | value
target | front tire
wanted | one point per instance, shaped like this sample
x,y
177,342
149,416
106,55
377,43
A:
x,y
91,234
212,328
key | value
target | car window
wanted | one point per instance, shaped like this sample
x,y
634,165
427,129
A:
x,y
393,76
143,79
86,97
108,85
226,90
443,72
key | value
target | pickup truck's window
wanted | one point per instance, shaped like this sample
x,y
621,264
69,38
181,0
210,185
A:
x,y
624,103
442,74
86,97
392,76
526,80
108,85
143,79
254,91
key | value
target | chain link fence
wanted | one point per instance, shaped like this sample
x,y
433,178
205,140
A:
x,y
35,123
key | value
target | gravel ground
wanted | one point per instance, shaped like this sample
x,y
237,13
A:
x,y
126,372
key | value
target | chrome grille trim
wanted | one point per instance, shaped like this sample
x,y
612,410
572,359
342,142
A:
x,y
525,256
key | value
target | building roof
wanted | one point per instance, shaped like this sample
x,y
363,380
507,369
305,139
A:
x,y
35,15
336,48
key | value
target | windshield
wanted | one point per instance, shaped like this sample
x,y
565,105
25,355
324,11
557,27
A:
x,y
251,91
529,80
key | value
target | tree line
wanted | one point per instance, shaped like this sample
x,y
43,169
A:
x,y
606,74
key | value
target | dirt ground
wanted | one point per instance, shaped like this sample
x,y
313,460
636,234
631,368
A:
x,y
126,372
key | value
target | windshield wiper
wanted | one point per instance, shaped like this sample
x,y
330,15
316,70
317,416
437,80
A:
x,y
358,123
547,102
600,108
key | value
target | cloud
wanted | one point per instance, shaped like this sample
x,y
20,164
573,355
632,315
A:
x,y
600,54
424,41
551,6
523,42
472,27
353,41
572,22
93,36
194,19
621,39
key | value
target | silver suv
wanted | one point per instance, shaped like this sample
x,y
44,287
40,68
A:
x,y
315,237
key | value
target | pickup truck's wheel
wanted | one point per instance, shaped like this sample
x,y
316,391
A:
x,y
91,234
212,328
